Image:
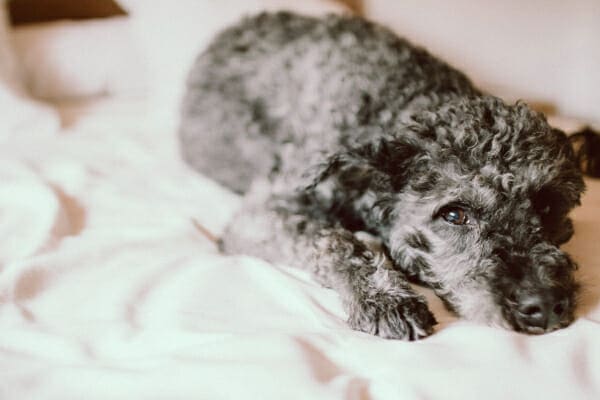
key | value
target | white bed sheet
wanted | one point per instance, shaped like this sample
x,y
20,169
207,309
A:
x,y
109,290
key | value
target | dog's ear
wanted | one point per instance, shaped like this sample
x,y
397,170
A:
x,y
358,185
381,165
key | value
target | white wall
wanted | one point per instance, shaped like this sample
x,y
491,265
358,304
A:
x,y
538,50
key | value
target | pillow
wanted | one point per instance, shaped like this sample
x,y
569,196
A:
x,y
17,113
68,60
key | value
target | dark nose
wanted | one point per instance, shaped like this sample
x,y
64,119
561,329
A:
x,y
541,312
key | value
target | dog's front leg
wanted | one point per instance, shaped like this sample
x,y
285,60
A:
x,y
377,298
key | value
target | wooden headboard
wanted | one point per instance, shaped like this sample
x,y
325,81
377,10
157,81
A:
x,y
32,11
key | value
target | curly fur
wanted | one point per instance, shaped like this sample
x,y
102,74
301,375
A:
x,y
333,126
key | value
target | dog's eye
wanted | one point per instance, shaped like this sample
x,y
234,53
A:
x,y
455,215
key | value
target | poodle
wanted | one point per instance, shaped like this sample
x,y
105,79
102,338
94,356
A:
x,y
374,165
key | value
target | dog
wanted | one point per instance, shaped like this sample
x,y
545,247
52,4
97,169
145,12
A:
x,y
335,126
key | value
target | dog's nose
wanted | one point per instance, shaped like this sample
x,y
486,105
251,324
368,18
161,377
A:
x,y
541,312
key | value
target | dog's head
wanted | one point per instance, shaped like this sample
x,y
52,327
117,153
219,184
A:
x,y
480,193
482,210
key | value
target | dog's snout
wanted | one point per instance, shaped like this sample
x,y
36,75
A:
x,y
538,313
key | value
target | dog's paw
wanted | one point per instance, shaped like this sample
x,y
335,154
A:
x,y
392,317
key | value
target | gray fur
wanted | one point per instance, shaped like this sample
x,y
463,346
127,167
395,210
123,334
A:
x,y
333,126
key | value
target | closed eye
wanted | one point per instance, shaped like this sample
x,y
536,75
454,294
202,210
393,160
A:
x,y
550,204
545,210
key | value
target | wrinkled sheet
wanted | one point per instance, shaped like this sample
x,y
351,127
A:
x,y
111,288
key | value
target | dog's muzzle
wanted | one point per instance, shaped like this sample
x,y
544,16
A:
x,y
537,288
542,312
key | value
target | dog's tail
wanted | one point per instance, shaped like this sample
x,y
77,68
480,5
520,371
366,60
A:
x,y
586,144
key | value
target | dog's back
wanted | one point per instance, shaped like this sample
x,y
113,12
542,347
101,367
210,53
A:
x,y
277,91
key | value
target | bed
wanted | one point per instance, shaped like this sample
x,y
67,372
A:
x,y
112,286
